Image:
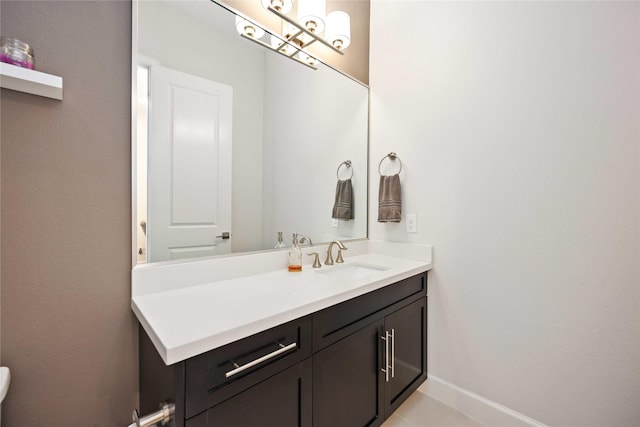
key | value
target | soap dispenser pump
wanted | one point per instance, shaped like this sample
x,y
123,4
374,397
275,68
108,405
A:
x,y
295,255
280,243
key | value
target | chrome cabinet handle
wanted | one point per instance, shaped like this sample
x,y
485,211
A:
x,y
393,353
386,355
389,341
282,349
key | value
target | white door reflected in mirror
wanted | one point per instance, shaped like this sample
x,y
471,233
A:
x,y
189,148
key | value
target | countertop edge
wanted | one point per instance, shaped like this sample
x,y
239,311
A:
x,y
157,342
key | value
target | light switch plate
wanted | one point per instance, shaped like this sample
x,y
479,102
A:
x,y
411,223
335,223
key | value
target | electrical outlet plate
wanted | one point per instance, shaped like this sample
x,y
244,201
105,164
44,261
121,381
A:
x,y
411,223
335,223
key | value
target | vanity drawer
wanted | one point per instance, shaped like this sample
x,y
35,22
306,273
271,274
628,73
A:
x,y
215,376
338,321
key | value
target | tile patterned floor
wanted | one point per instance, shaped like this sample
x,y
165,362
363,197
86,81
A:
x,y
420,410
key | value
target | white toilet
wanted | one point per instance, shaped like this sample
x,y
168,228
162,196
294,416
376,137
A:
x,y
5,378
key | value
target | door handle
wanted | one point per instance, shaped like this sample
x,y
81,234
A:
x,y
225,235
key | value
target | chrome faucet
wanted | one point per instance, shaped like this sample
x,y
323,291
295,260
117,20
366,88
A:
x,y
341,247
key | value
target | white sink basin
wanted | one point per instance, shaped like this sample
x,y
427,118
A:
x,y
351,271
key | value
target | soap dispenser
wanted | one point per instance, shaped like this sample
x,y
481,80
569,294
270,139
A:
x,y
295,255
280,244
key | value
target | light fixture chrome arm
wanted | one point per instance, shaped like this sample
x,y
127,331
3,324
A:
x,y
314,37
297,49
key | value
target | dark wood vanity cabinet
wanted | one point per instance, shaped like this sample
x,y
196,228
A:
x,y
352,365
245,381
361,378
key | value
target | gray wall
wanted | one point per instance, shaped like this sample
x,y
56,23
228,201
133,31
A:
x,y
68,333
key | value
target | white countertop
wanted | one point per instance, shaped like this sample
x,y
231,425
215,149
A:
x,y
187,320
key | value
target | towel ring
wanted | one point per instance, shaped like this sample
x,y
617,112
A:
x,y
392,156
347,163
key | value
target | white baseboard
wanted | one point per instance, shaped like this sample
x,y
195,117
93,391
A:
x,y
477,407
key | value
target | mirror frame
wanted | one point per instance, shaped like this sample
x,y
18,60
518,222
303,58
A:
x,y
134,168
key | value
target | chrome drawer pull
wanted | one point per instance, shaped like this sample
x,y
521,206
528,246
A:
x,y
259,360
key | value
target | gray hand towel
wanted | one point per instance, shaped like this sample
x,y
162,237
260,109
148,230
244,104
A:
x,y
343,206
389,199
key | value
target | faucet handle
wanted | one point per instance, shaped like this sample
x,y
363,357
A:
x,y
316,260
339,258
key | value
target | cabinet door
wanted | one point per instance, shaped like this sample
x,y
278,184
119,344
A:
x,y
347,389
283,400
407,353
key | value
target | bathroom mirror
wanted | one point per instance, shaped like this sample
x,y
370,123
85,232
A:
x,y
234,143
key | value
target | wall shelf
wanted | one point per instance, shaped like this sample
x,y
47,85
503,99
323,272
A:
x,y
30,81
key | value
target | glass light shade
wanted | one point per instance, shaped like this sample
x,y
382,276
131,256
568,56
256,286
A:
x,y
311,15
248,28
282,6
338,30
307,59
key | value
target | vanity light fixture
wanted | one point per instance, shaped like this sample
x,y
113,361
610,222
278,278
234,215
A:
x,y
313,20
291,48
282,6
296,35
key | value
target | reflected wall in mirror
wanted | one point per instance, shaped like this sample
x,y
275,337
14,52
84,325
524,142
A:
x,y
233,138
